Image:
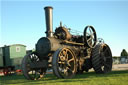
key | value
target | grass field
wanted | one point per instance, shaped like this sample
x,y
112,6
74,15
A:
x,y
90,78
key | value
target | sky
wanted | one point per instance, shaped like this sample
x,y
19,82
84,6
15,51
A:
x,y
23,21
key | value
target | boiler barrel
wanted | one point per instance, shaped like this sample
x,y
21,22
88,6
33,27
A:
x,y
46,45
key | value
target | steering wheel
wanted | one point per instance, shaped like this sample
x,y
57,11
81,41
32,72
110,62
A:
x,y
90,37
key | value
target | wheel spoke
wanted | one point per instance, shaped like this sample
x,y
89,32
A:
x,y
92,42
65,72
71,60
72,71
60,62
89,39
60,54
66,57
90,30
92,35
87,34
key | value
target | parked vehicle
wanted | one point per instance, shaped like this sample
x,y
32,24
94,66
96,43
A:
x,y
65,53
11,57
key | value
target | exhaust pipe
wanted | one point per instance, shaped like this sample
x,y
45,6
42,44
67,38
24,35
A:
x,y
48,18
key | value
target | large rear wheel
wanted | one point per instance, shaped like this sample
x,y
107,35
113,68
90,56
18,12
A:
x,y
102,58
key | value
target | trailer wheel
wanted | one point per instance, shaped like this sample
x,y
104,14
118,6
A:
x,y
64,63
29,73
102,58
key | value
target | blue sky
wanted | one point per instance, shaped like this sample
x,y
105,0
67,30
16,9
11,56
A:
x,y
23,22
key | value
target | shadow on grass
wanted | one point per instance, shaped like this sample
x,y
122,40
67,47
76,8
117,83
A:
x,y
50,78
81,77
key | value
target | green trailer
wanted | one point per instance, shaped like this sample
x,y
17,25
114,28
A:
x,y
17,52
11,57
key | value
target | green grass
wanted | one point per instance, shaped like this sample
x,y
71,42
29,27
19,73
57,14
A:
x,y
91,78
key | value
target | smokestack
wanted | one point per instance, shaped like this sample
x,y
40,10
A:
x,y
48,18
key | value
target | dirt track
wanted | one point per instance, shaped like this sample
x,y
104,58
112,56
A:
x,y
120,67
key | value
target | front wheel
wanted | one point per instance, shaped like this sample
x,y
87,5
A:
x,y
31,73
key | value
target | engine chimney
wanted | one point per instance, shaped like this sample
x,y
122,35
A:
x,y
48,17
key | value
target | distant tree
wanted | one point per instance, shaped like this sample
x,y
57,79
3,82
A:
x,y
124,53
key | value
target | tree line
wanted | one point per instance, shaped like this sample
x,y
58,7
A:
x,y
124,53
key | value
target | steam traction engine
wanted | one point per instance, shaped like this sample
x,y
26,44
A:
x,y
66,54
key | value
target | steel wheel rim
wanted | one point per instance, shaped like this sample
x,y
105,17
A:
x,y
106,59
67,60
64,63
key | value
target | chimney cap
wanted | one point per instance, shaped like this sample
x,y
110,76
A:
x,y
48,7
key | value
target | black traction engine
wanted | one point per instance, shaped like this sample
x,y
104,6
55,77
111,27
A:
x,y
66,54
